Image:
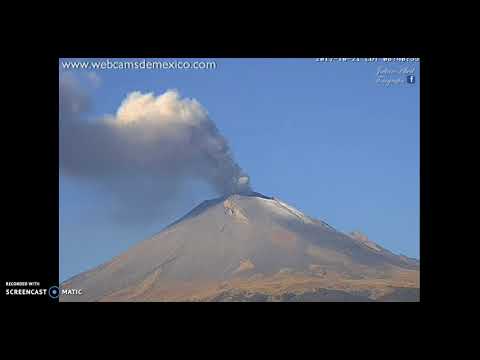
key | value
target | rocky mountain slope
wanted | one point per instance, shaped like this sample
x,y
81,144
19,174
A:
x,y
251,247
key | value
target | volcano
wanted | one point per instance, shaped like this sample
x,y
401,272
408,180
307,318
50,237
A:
x,y
251,247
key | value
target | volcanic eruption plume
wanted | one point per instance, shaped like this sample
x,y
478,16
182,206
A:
x,y
147,151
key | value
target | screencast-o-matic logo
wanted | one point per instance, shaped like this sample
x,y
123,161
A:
x,y
25,288
32,288
53,292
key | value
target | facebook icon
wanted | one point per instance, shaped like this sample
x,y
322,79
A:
x,y
411,79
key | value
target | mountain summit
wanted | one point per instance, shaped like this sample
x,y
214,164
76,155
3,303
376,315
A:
x,y
251,247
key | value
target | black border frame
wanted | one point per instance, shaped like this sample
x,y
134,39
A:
x,y
33,251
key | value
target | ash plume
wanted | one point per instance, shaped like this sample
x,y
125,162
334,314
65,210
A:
x,y
147,152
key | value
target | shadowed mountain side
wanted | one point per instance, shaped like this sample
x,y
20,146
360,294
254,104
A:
x,y
245,247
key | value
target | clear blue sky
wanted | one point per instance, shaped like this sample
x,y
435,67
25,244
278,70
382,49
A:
x,y
323,137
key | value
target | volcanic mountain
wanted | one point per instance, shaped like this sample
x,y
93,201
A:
x,y
250,247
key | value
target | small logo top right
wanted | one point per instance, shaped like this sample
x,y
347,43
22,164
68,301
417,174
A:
x,y
411,79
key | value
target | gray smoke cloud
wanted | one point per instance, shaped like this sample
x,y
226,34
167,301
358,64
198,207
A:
x,y
147,152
